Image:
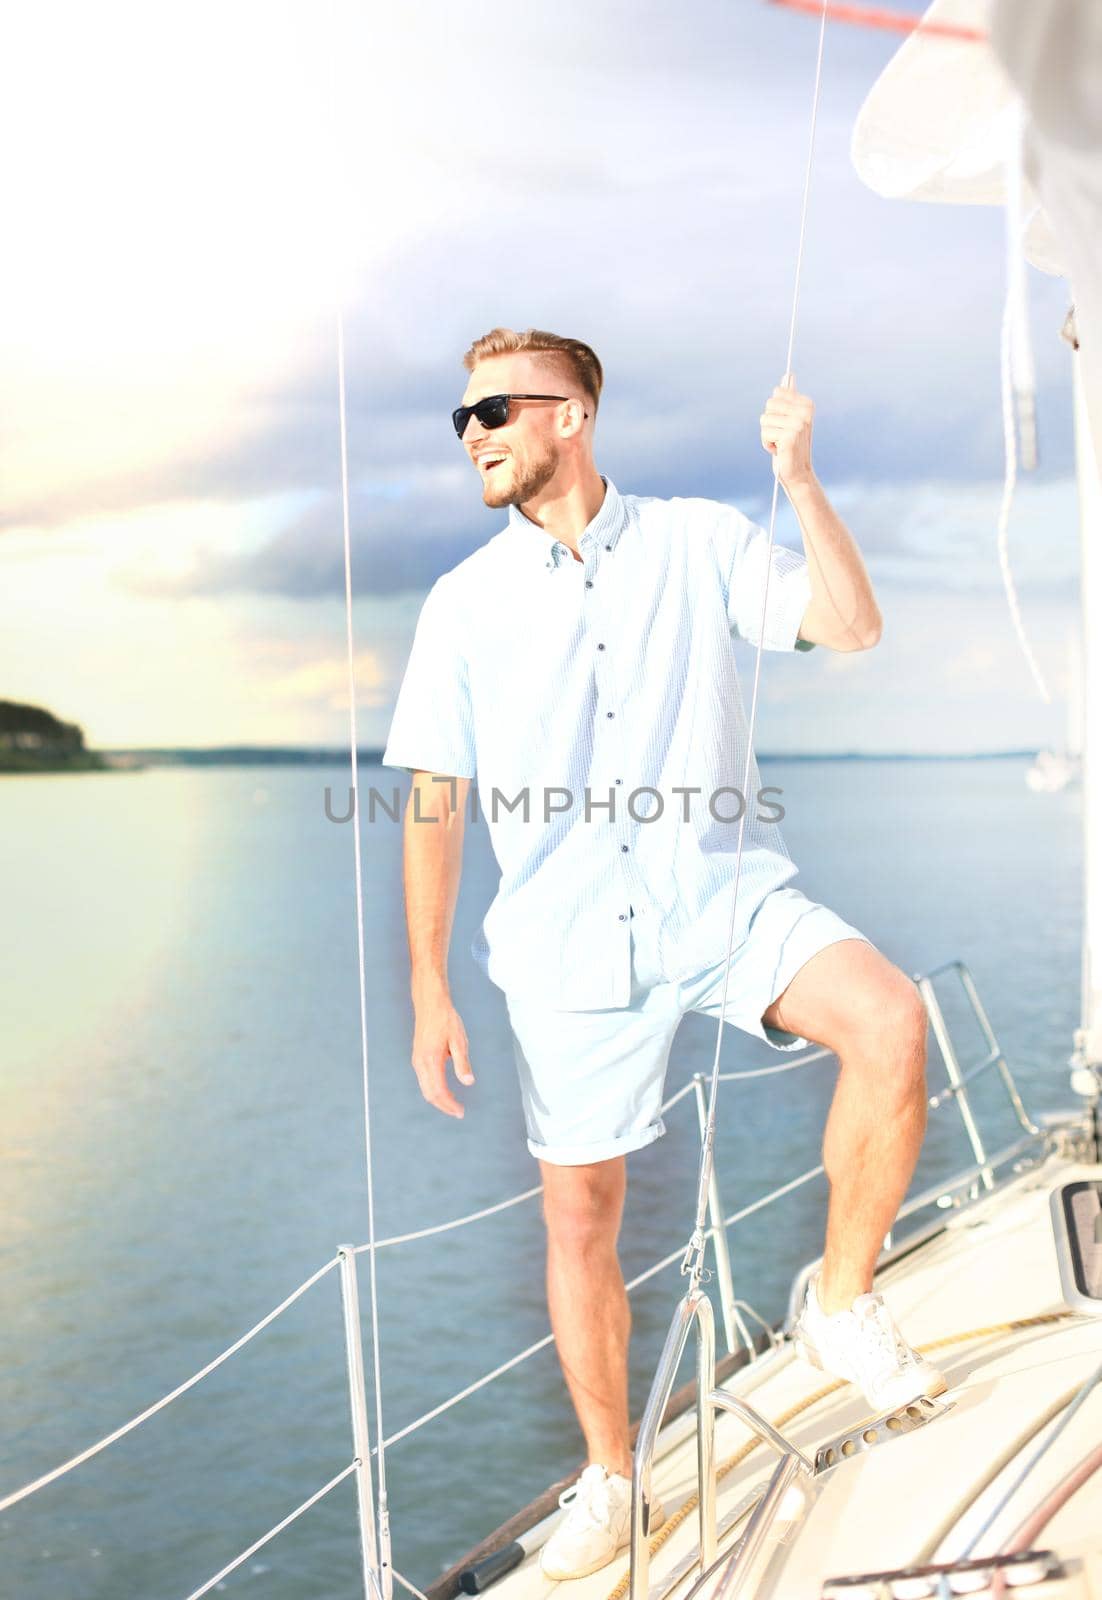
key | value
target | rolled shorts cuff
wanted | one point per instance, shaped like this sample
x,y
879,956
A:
x,y
814,928
580,1155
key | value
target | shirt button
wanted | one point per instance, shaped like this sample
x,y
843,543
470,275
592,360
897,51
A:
x,y
624,848
623,916
608,547
589,583
600,647
619,780
610,713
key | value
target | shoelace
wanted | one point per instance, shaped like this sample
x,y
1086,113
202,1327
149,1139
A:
x,y
588,1502
880,1333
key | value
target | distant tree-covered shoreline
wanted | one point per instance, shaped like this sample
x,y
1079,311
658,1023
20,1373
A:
x,y
32,739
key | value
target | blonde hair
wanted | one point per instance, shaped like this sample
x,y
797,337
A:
x,y
570,355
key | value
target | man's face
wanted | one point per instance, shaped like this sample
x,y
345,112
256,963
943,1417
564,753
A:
x,y
520,458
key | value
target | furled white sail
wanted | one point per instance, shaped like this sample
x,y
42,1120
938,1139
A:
x,y
939,125
1051,51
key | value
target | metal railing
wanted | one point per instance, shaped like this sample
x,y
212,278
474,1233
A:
x,y
793,1466
694,1311
960,1078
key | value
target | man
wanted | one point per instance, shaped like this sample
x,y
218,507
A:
x,y
580,663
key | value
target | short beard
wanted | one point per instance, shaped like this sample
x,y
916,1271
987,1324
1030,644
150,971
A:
x,y
526,487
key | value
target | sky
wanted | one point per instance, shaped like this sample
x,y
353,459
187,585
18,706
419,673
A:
x,y
198,188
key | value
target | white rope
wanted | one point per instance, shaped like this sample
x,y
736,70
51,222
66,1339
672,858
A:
x,y
459,1222
412,1587
1016,381
777,1194
361,962
381,1574
472,1388
685,1089
736,1216
693,1259
212,1583
1022,372
771,1072
128,1427
537,1189
381,1244
643,1277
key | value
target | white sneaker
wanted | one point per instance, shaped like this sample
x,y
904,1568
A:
x,y
864,1346
596,1525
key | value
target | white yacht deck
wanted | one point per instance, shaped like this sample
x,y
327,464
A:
x,y
986,1295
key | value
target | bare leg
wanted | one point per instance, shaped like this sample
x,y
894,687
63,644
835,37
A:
x,y
590,1316
852,999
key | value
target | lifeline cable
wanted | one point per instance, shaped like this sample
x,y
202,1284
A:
x,y
693,1261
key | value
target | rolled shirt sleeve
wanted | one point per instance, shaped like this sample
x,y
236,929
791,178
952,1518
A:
x,y
742,547
432,729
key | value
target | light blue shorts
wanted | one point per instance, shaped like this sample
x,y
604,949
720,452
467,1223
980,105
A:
x,y
591,1081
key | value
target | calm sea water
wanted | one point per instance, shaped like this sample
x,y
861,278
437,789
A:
x,y
181,1143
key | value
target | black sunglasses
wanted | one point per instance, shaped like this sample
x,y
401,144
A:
x,y
493,412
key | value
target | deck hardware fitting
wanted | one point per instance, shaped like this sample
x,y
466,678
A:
x,y
880,1430
1022,1570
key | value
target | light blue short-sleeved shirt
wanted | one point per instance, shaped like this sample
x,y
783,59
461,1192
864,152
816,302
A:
x,y
597,705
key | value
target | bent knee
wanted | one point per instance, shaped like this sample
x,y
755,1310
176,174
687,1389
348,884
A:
x,y
892,1018
582,1206
908,1018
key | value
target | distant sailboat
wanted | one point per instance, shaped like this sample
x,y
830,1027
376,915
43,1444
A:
x,y
1054,770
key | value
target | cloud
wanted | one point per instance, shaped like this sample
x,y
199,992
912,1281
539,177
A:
x,y
938,535
167,337
404,534
643,194
324,682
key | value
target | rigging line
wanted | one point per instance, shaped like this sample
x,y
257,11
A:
x,y
472,1388
771,1072
1039,1518
633,1283
1015,363
382,1575
361,963
537,1189
412,1587
1046,1444
526,1354
459,1222
693,1262
167,1399
216,1581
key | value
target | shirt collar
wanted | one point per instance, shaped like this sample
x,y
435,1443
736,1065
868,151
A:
x,y
601,532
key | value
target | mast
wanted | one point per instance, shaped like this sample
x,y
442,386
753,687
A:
x,y
1088,1038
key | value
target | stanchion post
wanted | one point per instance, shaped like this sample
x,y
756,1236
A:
x,y
361,1438
726,1281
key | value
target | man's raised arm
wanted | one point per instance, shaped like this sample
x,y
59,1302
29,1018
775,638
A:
x,y
433,861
